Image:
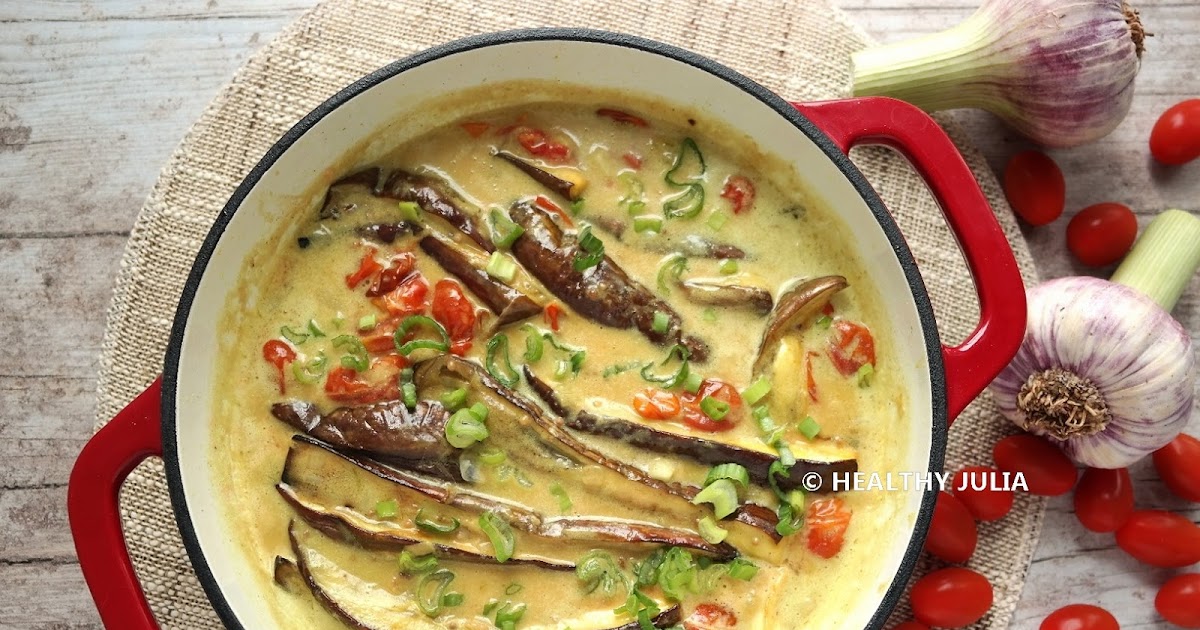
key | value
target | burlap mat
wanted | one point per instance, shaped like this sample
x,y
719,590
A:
x,y
800,49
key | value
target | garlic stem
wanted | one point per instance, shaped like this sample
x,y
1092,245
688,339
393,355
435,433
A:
x,y
1164,259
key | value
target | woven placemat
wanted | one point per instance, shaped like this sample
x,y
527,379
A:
x,y
799,49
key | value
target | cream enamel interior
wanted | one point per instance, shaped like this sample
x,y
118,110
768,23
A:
x,y
351,135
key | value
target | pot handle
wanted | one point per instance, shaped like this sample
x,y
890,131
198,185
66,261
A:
x,y
971,365
106,460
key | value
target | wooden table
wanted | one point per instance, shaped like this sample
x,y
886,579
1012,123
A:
x,y
95,95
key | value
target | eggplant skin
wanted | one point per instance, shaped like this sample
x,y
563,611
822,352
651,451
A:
x,y
509,304
664,619
604,293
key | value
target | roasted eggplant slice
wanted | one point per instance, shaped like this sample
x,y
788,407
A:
x,y
603,293
509,304
568,188
727,295
796,306
287,576
435,198
388,232
337,203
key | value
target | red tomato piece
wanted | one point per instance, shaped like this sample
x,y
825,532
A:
x,y
1080,617
1161,539
1104,499
622,117
1178,464
1175,138
1046,469
343,385
911,625
279,354
537,143
401,266
710,617
694,417
827,521
455,313
1035,187
810,377
366,268
851,347
981,489
952,532
739,190
553,208
951,598
1101,234
656,404
406,299
633,160
475,129
551,314
1178,601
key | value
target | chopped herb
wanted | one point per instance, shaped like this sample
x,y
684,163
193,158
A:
x,y
757,390
367,322
464,429
412,565
864,374
734,472
430,601
669,271
661,322
808,427
387,509
504,231
501,267
504,372
455,399
296,338
315,329
564,501
434,526
500,534
644,224
721,494
412,321
824,321
710,531
591,250
356,358
670,380
714,408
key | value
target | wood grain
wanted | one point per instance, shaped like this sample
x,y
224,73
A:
x,y
97,95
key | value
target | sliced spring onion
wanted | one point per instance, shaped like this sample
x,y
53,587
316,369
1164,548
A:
x,y
575,356
513,589
688,166
509,615
598,570
464,429
412,565
338,320
450,600
430,600
669,271
296,338
454,400
504,372
686,204
408,389
633,200
644,224
717,220
504,231
434,526
387,508
693,382
808,427
824,321
661,322
561,369
710,314
311,371
367,322
412,321
741,569
409,211
714,408
501,267
315,329
492,604
777,469
356,353
670,380
480,411
756,391
577,206
786,457
727,266
710,531
864,375
564,501
492,456
499,533
721,494
790,520
591,250
734,472
533,343
620,368
678,574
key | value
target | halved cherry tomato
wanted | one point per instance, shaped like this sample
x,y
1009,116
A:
x,y
1175,138
455,313
952,532
395,360
739,190
553,208
399,268
1046,469
1104,499
710,617
279,354
537,143
810,377
911,625
826,521
406,299
851,347
622,117
951,598
1080,617
1161,539
981,490
1178,601
694,417
633,160
1178,464
343,385
551,314
1101,234
656,404
1035,187
366,268
475,129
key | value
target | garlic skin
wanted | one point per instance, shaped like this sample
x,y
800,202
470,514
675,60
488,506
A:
x,y
1110,340
1059,71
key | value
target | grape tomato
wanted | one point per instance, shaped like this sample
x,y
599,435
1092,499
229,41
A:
x,y
952,532
1102,234
1104,499
1047,471
1080,617
1175,138
1035,187
951,598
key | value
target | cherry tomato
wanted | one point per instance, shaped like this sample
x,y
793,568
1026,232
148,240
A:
x,y
1178,464
1101,234
549,206
1104,499
710,617
402,265
1035,187
551,314
981,490
537,143
456,313
279,354
406,299
475,129
911,625
1080,617
1161,539
1046,470
656,404
622,117
367,267
951,598
1175,138
810,377
739,190
1178,601
952,532
694,417
826,521
343,385
633,160
851,347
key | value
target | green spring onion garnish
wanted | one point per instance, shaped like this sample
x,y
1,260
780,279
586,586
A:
x,y
504,231
733,472
356,353
430,599
311,371
464,428
721,494
434,526
500,534
413,321
591,250
714,408
504,372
